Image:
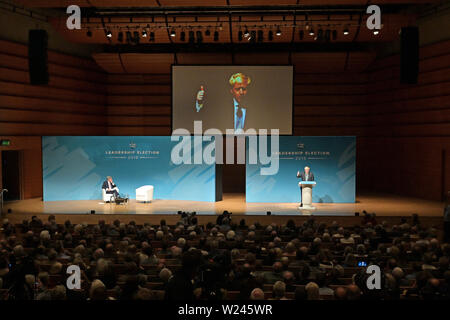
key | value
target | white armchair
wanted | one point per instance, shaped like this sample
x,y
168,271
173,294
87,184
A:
x,y
107,197
144,193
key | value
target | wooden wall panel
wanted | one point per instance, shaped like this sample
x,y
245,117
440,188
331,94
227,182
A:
x,y
73,103
31,176
408,131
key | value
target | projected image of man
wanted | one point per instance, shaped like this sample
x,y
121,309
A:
x,y
239,83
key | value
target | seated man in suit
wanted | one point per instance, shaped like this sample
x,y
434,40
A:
x,y
110,187
306,175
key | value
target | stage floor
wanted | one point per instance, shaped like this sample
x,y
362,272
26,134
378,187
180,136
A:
x,y
382,205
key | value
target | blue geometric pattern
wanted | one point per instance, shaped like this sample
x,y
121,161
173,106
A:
x,y
74,168
332,160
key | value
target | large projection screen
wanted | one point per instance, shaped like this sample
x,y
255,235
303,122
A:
x,y
237,98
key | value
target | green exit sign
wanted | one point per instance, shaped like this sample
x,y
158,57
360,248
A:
x,y
6,143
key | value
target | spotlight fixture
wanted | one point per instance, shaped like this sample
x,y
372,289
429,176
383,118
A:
x,y
120,36
216,35
89,33
270,35
278,33
191,37
249,36
173,33
144,34
301,34
320,35
136,37
152,36
327,35
240,35
129,39
246,33
346,32
376,32
334,34
109,34
182,36
199,35
260,36
311,32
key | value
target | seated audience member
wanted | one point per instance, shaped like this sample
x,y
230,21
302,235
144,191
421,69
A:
x,y
312,291
126,259
279,290
257,294
340,293
97,292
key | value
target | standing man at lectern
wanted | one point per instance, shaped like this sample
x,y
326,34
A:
x,y
306,175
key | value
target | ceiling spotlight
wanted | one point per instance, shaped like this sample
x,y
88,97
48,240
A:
x,y
152,36
216,35
144,34
89,33
129,39
346,32
173,33
260,36
334,34
182,36
270,35
278,33
109,34
376,32
199,35
252,36
320,34
246,33
136,37
327,35
311,32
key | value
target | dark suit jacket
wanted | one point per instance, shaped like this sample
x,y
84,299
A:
x,y
105,185
303,175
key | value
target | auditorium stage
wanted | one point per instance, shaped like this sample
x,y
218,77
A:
x,y
382,205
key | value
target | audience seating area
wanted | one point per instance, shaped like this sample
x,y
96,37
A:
x,y
228,260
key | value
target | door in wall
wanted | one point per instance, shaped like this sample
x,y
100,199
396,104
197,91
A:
x,y
11,174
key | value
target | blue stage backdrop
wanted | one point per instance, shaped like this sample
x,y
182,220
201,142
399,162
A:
x,y
74,168
332,160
